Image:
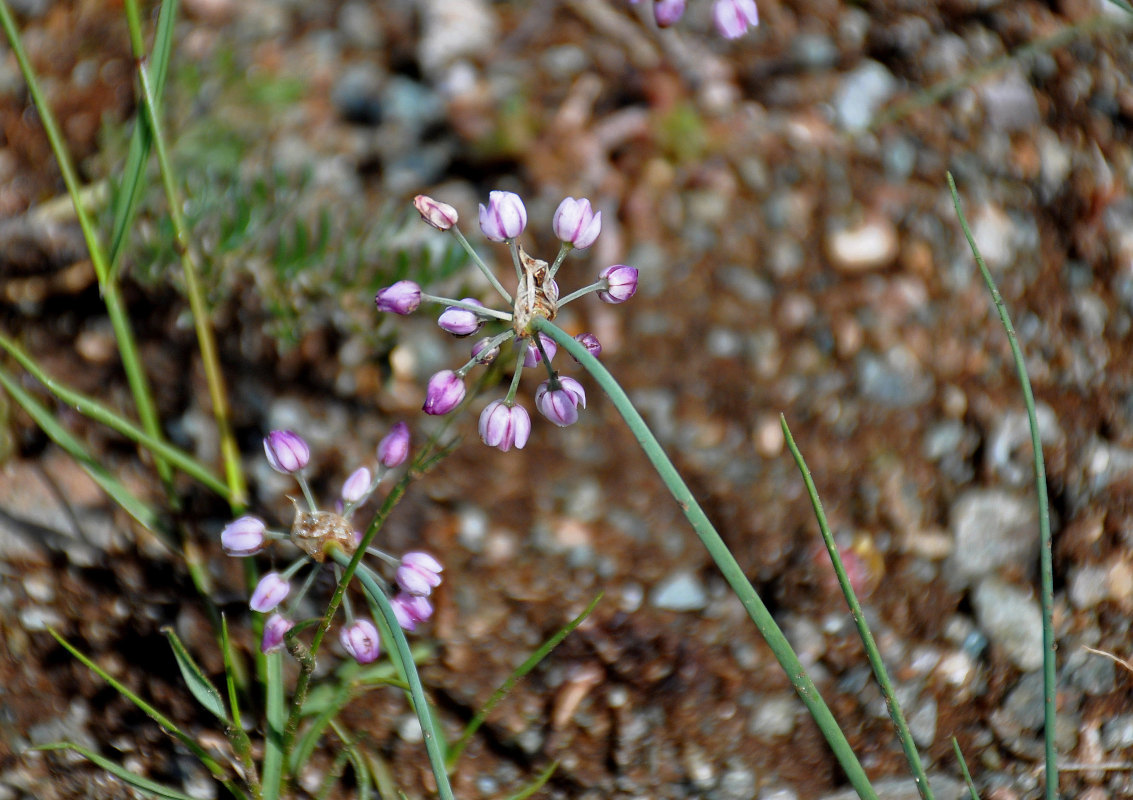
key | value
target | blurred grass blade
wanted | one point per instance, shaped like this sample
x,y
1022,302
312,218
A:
x,y
237,736
972,793
276,718
209,762
1046,566
115,306
361,768
198,683
523,669
139,782
879,672
133,173
96,411
136,508
538,783
381,774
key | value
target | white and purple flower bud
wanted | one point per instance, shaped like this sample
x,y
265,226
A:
x,y
244,536
576,223
733,18
361,640
275,628
402,298
504,217
484,356
668,12
357,486
411,610
621,283
419,573
533,356
560,405
270,592
504,426
590,342
394,449
444,393
440,215
461,321
286,451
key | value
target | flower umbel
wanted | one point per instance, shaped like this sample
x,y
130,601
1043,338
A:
x,y
504,424
316,533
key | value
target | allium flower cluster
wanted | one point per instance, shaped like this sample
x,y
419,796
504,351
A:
x,y
733,18
504,423
316,533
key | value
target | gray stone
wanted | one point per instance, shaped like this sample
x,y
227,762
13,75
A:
x,y
1009,102
774,716
922,723
992,529
861,94
1117,733
1011,618
943,788
357,93
681,591
738,783
1093,674
1024,703
1088,585
895,379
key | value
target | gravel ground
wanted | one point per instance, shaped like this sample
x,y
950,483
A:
x,y
784,199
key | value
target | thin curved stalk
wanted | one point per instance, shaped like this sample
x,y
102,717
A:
x,y
1046,561
726,562
879,671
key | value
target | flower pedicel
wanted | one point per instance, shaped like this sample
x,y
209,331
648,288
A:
x,y
503,423
315,533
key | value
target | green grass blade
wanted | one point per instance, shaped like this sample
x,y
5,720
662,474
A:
x,y
96,411
879,672
136,508
434,740
537,784
731,570
276,718
133,173
516,676
139,782
237,736
972,793
1046,559
209,762
198,683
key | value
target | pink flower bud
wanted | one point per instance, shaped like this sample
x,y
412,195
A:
x,y
576,223
357,486
411,610
461,321
504,217
668,12
419,573
394,449
734,17
484,356
269,593
444,393
504,426
275,629
560,405
243,536
440,215
621,283
286,451
361,640
533,356
402,298
590,342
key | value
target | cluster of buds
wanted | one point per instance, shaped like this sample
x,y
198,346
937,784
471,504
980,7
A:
x,y
733,18
503,423
316,533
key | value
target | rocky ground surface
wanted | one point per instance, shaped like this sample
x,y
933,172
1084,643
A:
x,y
784,198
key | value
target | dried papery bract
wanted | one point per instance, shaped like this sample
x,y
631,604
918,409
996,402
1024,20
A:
x,y
314,532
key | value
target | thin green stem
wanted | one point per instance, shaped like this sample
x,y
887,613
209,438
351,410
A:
x,y
726,562
206,341
115,307
481,311
585,290
879,671
1046,561
479,262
